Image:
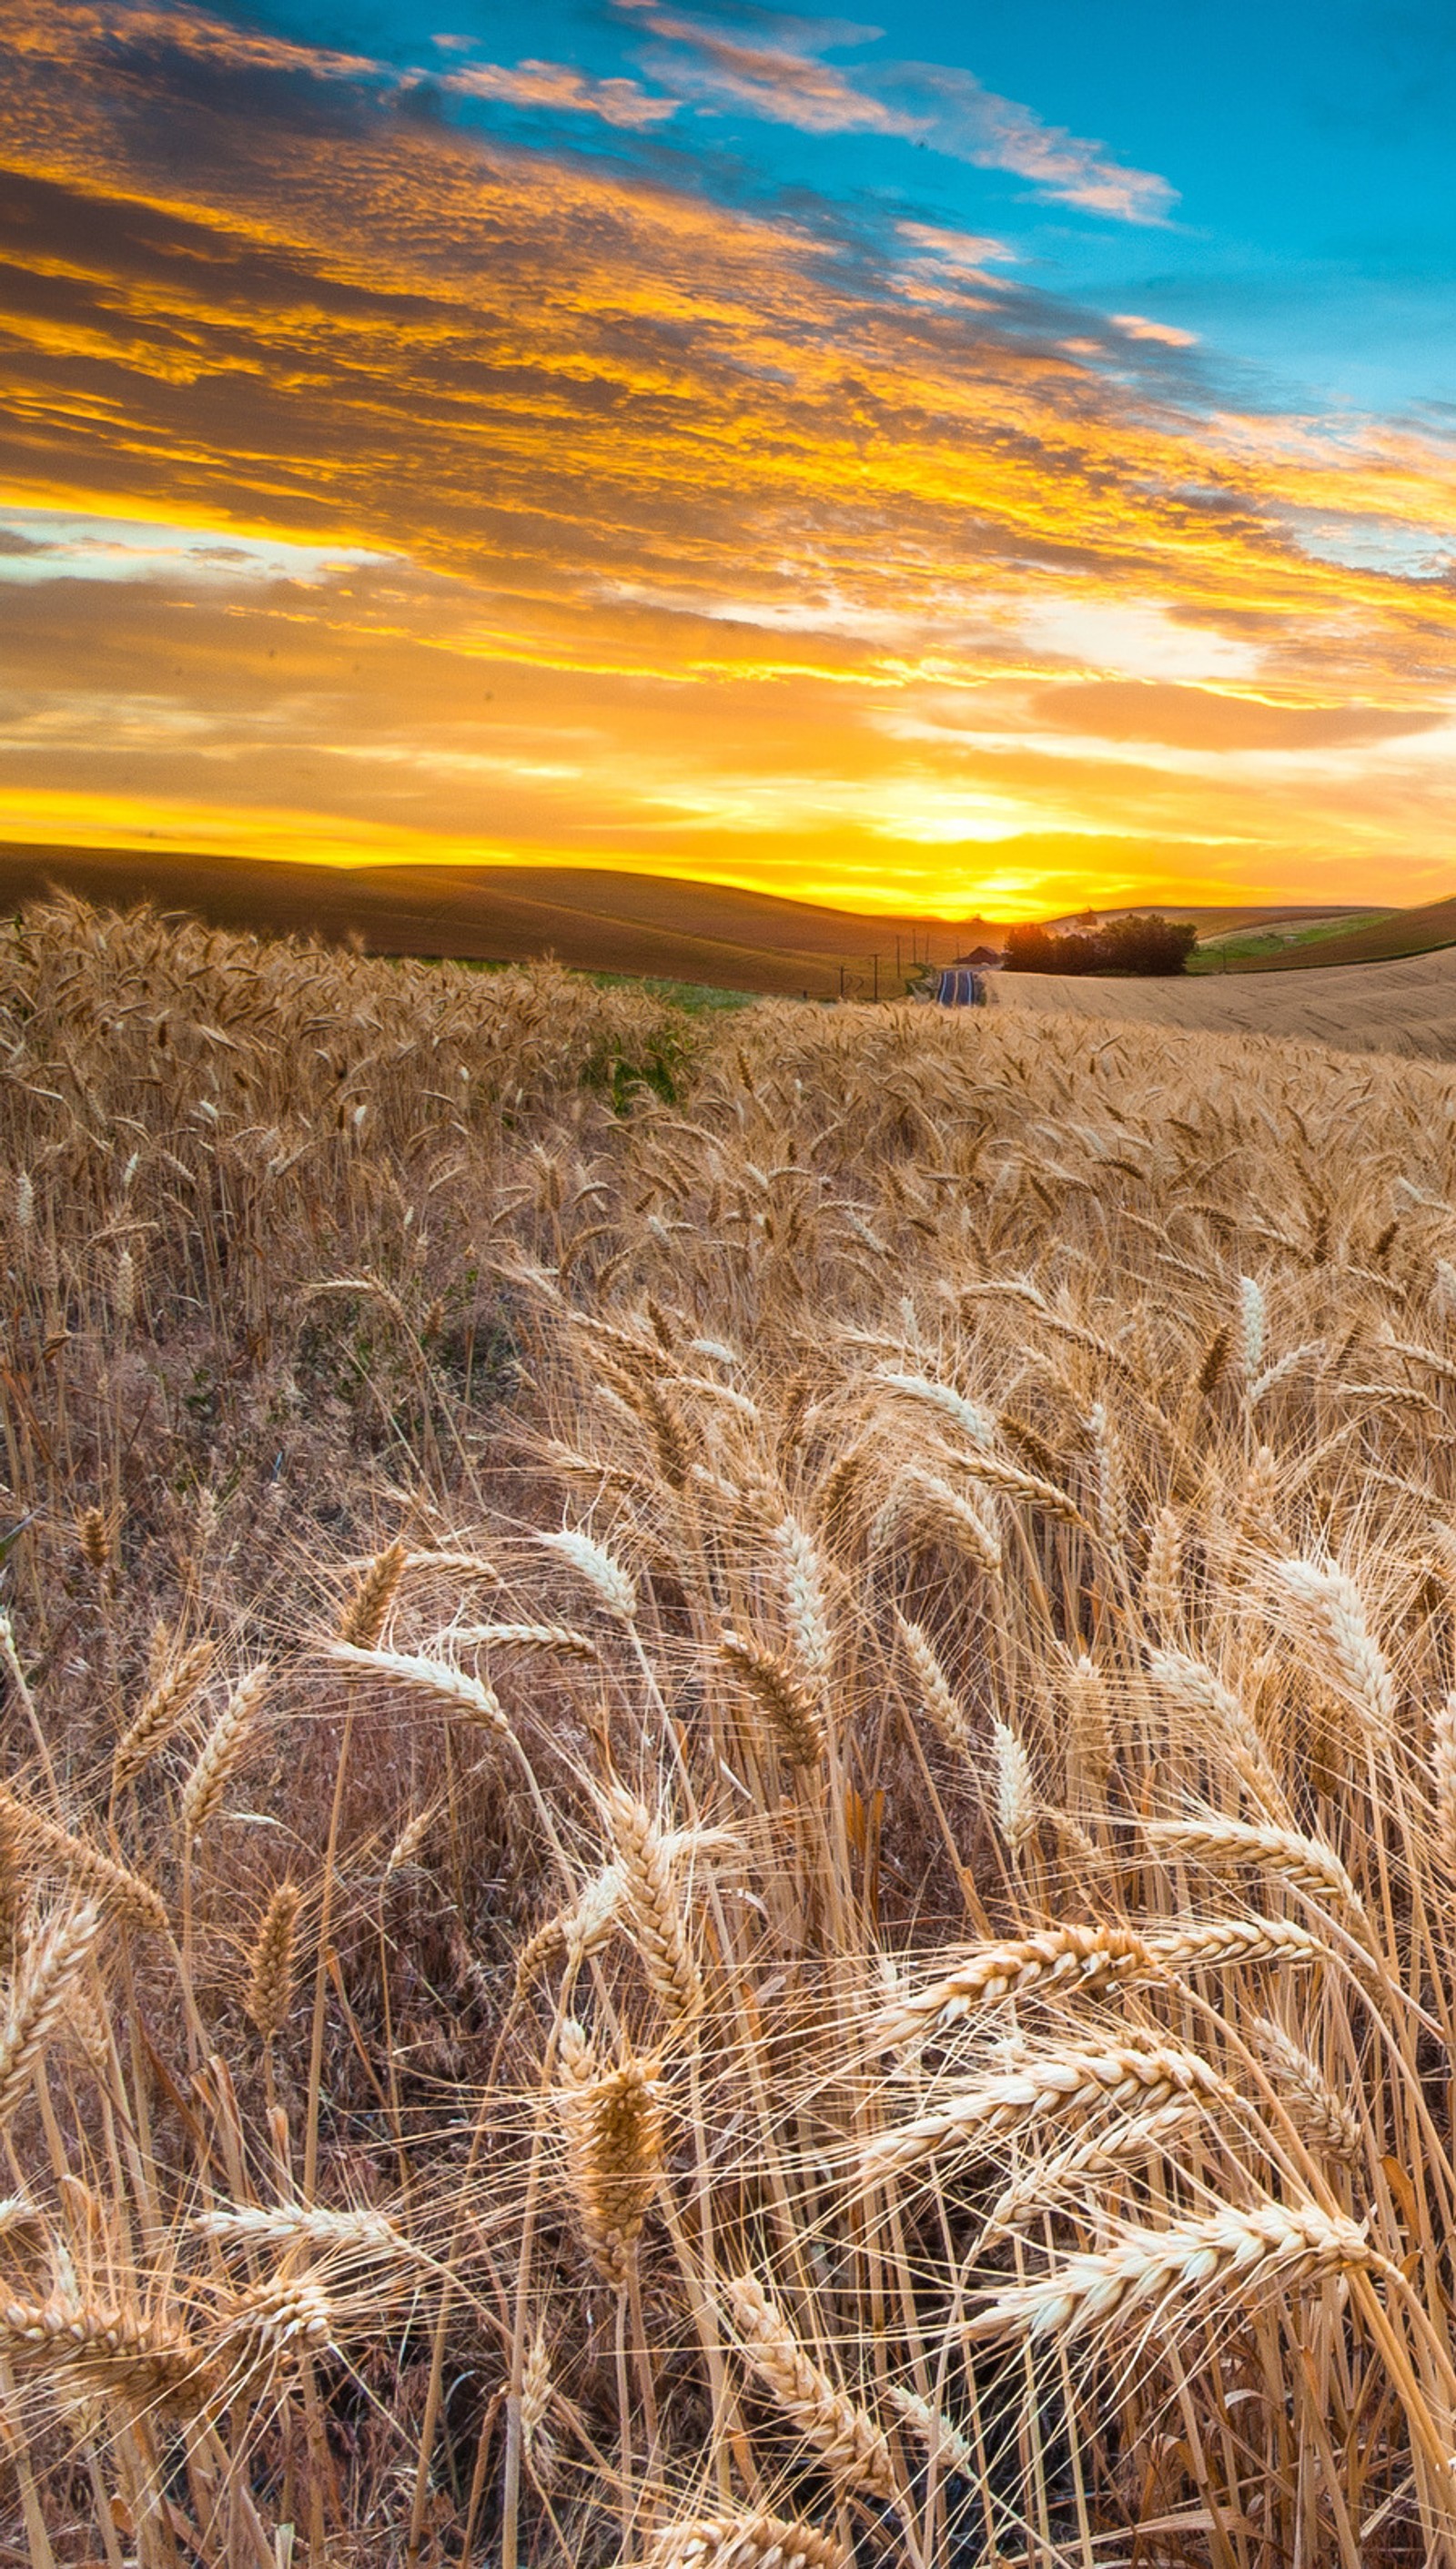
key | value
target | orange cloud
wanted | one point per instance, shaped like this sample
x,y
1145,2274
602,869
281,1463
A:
x,y
710,543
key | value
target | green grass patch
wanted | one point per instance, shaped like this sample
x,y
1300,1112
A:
x,y
1250,944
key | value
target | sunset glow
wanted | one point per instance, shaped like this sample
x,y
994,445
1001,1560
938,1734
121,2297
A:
x,y
715,443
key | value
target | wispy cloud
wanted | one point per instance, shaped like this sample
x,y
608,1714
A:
x,y
1135,325
786,82
782,84
556,87
969,123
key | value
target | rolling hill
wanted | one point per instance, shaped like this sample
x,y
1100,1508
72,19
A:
x,y
595,922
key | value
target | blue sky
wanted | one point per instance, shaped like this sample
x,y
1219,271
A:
x,y
1309,220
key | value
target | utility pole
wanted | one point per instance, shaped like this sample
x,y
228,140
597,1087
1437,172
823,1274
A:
x,y
897,959
877,976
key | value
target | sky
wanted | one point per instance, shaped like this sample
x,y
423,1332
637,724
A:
x,y
989,458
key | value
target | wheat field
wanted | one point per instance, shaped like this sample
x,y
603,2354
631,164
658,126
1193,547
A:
x,y
729,1827
1408,1005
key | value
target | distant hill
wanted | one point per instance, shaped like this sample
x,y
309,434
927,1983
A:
x,y
598,922
1406,931
649,924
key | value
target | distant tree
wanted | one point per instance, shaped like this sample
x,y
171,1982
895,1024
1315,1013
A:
x,y
1151,945
1147,946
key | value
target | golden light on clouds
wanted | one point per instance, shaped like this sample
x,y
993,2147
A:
x,y
384,492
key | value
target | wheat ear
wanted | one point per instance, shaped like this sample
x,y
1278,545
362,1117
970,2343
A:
x,y
526,1636
937,1692
1443,1778
606,1579
1089,1957
642,1853
927,1501
223,1752
848,2441
1197,1690
612,2124
1338,1611
1319,2116
448,1688
943,2442
791,1707
113,1886
161,1713
1108,2153
53,1962
271,1972
366,1612
1224,1844
1066,2082
748,2542
1242,2253
1016,1803
102,2353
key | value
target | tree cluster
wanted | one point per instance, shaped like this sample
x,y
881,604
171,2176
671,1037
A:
x,y
1146,945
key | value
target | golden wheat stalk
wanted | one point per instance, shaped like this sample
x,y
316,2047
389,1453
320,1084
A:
x,y
1122,2076
1240,2255
161,1713
748,2542
847,2440
223,1752
51,1964
438,1681
110,1885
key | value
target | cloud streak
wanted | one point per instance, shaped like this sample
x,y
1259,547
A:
x,y
929,102
578,515
557,88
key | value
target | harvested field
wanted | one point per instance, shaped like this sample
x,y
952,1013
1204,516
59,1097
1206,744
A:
x,y
730,1807
1407,1007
